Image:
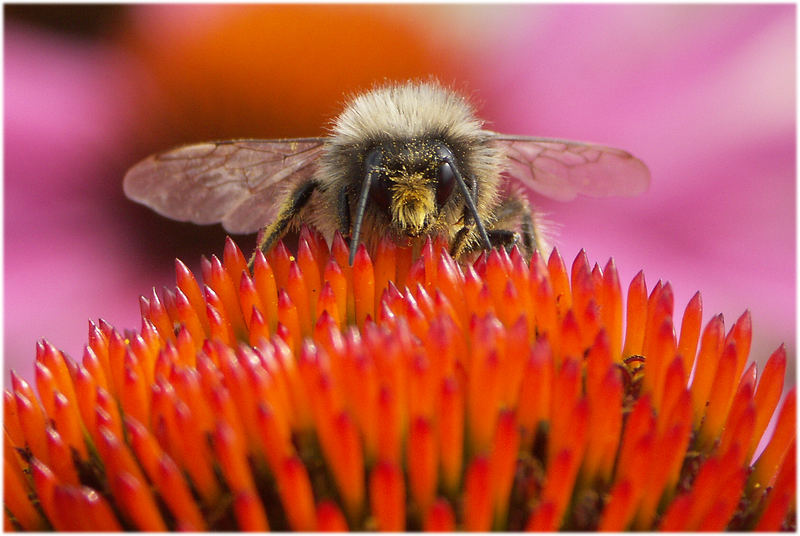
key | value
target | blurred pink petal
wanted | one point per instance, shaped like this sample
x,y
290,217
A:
x,y
68,108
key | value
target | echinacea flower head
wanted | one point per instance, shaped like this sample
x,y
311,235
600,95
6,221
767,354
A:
x,y
404,392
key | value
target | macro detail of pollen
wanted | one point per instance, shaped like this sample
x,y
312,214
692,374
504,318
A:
x,y
404,394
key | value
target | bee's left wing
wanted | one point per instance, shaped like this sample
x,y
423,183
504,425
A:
x,y
561,169
240,183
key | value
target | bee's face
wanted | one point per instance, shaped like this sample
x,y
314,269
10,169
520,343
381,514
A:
x,y
410,183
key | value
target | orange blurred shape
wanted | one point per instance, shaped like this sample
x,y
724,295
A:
x,y
273,70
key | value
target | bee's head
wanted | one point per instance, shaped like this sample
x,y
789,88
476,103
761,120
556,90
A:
x,y
409,183
417,154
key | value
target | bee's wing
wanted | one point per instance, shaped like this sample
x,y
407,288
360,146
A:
x,y
241,183
561,169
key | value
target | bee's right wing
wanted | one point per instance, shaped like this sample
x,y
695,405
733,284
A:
x,y
241,183
562,169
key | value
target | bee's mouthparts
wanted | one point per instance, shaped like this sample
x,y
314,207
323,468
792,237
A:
x,y
411,216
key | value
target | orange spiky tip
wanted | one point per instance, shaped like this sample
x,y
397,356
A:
x,y
403,393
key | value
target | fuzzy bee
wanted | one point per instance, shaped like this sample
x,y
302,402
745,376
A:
x,y
408,161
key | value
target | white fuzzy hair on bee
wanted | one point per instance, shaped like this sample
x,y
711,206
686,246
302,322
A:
x,y
406,110
408,161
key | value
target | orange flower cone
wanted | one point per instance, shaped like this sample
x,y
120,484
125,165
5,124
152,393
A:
x,y
403,394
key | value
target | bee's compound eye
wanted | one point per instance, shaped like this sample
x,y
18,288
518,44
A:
x,y
445,184
380,191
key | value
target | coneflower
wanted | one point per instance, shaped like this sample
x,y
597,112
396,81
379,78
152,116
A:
x,y
403,394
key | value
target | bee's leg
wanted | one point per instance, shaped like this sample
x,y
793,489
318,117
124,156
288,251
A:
x,y
296,201
343,212
515,212
460,242
503,237
498,238
530,240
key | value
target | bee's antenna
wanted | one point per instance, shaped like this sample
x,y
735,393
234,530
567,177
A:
x,y
447,157
360,208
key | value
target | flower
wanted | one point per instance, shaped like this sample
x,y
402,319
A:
x,y
309,394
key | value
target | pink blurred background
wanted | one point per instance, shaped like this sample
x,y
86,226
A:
x,y
705,95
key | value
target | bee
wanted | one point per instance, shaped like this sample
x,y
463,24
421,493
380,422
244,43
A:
x,y
405,160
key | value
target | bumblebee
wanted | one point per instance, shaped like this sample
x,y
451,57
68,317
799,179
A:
x,y
405,160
